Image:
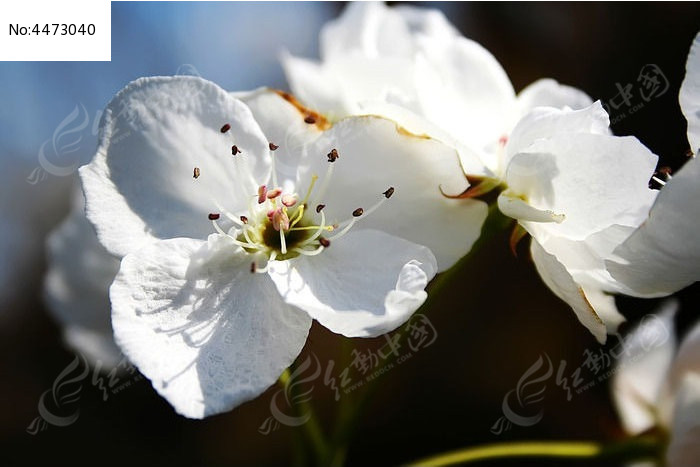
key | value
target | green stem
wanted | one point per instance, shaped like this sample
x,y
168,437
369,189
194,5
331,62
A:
x,y
628,450
312,428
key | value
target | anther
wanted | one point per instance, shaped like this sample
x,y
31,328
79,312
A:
x,y
333,155
310,119
225,128
320,207
235,150
273,146
289,200
253,267
244,219
262,193
324,241
214,216
195,172
389,192
358,212
272,194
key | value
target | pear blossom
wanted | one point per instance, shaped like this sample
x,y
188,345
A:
x,y
241,220
410,64
579,192
657,385
663,255
76,287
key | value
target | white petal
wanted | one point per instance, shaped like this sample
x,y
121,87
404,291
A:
x,y
208,334
367,27
140,185
642,370
281,118
365,284
76,287
316,85
663,255
555,275
545,122
77,284
684,449
427,22
463,89
594,180
375,154
689,96
549,93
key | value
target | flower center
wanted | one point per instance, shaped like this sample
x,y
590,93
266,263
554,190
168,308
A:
x,y
280,226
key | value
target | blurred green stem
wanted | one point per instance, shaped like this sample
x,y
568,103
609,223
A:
x,y
628,450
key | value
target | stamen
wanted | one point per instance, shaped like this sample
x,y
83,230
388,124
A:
x,y
324,184
272,194
244,219
262,193
253,267
195,172
309,252
273,147
324,242
311,187
320,207
283,242
235,150
388,193
289,200
214,216
333,155
310,119
358,212
216,226
225,128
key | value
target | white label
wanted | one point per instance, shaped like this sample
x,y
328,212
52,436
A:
x,y
58,30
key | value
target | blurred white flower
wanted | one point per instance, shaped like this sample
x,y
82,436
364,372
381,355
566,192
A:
x,y
227,259
76,287
411,65
657,385
663,255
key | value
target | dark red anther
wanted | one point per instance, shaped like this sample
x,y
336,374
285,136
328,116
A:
x,y
225,128
244,219
214,216
389,192
324,241
273,146
320,207
195,172
358,212
253,267
235,150
310,119
333,155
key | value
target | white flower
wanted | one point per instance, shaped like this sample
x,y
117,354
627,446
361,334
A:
x,y
227,259
663,255
413,66
657,384
575,188
579,192
76,287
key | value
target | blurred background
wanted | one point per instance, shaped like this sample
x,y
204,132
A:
x,y
492,321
